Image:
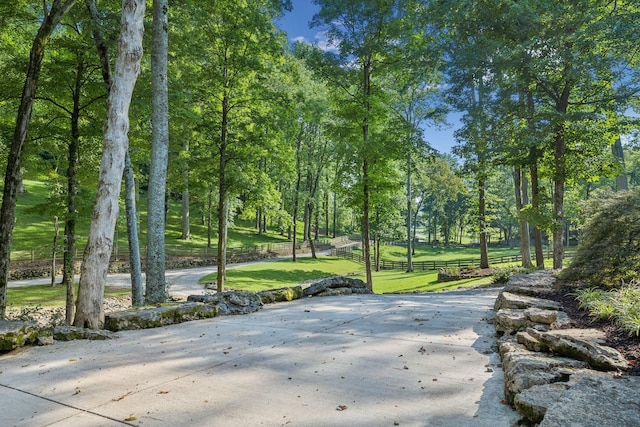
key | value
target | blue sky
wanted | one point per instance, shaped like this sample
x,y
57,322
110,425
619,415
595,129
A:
x,y
296,25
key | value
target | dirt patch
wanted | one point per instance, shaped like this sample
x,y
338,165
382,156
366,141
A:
x,y
629,346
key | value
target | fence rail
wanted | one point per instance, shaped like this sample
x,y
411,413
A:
x,y
347,253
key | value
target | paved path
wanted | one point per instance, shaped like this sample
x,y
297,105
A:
x,y
359,360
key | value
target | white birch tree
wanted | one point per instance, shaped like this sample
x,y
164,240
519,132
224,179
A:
x,y
95,263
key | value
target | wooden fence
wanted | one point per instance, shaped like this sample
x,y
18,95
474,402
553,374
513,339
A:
x,y
347,253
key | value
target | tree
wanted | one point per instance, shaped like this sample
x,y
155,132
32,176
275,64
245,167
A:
x,y
156,285
367,34
93,272
51,19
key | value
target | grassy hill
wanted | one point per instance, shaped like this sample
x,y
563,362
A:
x,y
34,228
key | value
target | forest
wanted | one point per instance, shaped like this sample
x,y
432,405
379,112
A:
x,y
209,104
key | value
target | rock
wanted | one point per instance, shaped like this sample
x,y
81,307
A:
x,y
562,321
159,316
280,295
539,279
533,402
596,355
539,315
44,340
232,302
597,401
14,334
530,342
509,321
321,287
523,368
514,301
69,333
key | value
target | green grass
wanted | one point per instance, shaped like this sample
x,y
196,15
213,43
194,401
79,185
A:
x,y
47,296
34,227
278,274
425,252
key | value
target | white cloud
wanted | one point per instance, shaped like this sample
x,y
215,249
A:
x,y
322,43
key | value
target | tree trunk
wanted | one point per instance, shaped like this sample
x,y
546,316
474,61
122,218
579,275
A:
x,y
209,212
222,193
558,197
186,224
366,244
409,214
335,214
622,183
156,291
296,196
13,178
137,297
130,187
93,272
520,180
54,250
484,254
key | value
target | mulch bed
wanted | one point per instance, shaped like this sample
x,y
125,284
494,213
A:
x,y
629,346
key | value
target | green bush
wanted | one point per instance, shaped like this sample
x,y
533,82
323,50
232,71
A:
x,y
608,254
621,305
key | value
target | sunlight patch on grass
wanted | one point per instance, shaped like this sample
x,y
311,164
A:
x,y
285,273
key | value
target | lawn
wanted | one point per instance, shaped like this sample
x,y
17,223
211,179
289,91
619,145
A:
x,y
34,227
47,296
284,273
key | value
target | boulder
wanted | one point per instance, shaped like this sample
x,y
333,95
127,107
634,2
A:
x,y
535,279
509,321
530,342
539,315
231,302
524,369
597,401
515,301
280,295
533,402
570,345
159,316
69,333
322,287
14,334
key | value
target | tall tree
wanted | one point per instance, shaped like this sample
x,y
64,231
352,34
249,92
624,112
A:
x,y
366,34
156,285
95,263
51,18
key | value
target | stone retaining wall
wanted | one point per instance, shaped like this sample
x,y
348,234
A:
x,y
556,375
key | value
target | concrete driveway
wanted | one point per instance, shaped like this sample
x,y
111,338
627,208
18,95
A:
x,y
366,360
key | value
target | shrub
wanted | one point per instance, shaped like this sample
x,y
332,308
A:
x,y
609,250
622,305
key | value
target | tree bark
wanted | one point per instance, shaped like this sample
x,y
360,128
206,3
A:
x,y
186,217
93,272
622,183
484,254
408,218
520,180
13,178
156,291
137,297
